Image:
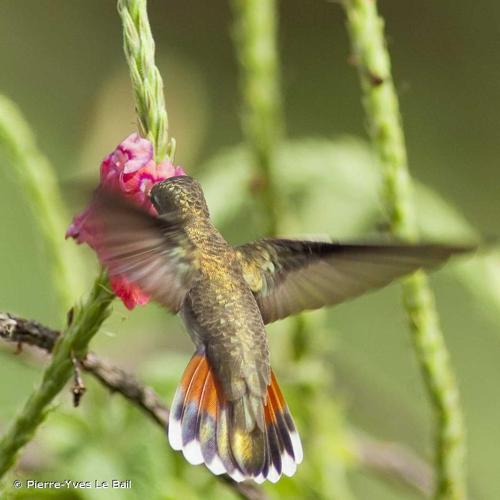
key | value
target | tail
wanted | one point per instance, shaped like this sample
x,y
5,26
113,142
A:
x,y
201,424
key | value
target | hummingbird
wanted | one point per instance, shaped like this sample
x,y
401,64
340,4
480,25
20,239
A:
x,y
228,411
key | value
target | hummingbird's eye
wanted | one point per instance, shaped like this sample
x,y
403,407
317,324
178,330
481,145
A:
x,y
153,196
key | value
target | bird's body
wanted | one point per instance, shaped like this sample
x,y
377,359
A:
x,y
222,315
228,411
225,323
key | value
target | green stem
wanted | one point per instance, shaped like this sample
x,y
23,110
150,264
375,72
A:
x,y
254,33
87,320
39,186
139,49
366,30
147,83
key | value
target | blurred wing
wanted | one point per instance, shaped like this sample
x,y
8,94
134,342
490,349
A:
x,y
153,252
290,276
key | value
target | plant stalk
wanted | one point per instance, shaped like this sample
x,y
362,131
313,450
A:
x,y
255,35
369,47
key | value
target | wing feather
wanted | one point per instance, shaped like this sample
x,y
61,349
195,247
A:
x,y
289,276
153,252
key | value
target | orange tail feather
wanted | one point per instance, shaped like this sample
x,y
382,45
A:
x,y
201,425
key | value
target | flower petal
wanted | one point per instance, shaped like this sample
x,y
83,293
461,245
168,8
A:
x,y
130,170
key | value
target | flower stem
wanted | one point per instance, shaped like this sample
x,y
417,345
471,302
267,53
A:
x,y
147,83
255,37
366,30
39,185
87,320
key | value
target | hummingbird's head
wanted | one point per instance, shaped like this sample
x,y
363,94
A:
x,y
181,194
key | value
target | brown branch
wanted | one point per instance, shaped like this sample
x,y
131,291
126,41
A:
x,y
387,459
117,380
395,462
21,331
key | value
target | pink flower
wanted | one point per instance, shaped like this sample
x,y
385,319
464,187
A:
x,y
130,170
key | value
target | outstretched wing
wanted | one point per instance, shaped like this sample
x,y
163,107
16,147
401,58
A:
x,y
153,252
288,276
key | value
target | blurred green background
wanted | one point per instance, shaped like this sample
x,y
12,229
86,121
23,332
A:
x,y
62,63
